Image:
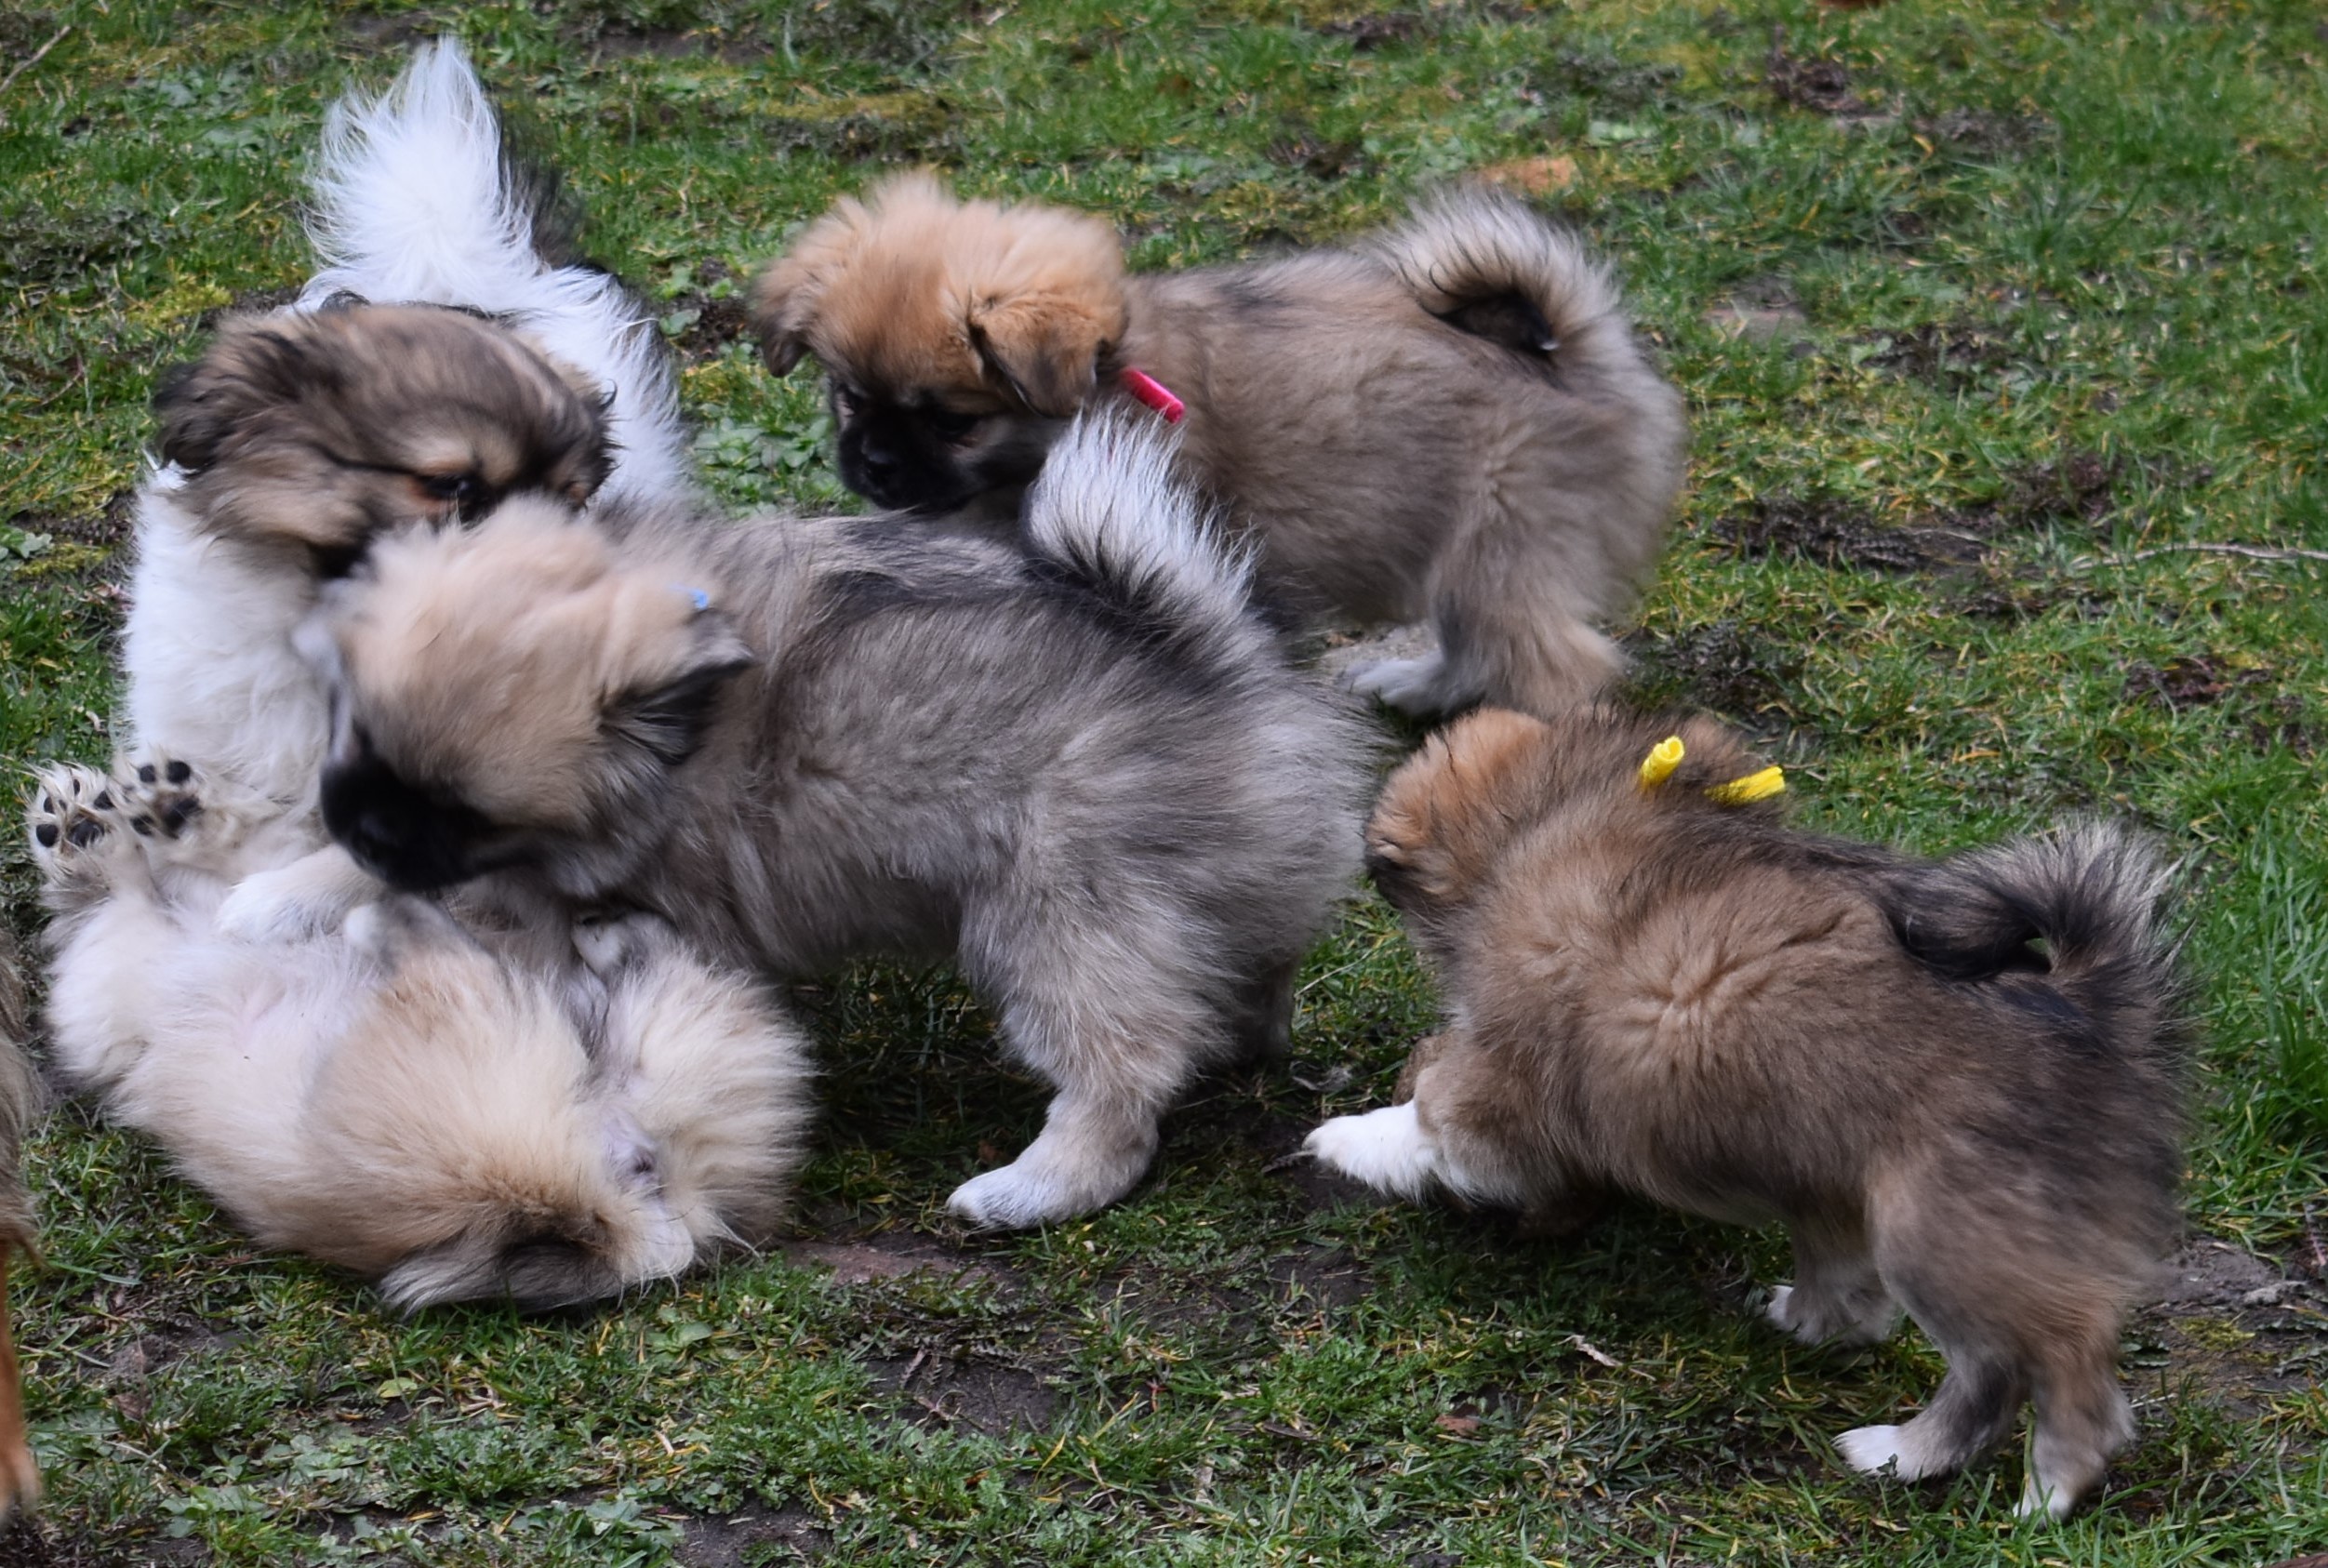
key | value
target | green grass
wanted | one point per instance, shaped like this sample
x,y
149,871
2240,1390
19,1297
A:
x,y
2040,296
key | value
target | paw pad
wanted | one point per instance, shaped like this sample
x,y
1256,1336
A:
x,y
160,795
72,810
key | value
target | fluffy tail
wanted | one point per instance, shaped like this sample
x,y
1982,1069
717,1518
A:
x,y
1111,517
418,201
1490,264
2095,895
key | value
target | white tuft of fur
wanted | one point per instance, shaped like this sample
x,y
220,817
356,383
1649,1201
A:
x,y
415,204
1387,1150
1112,509
1907,1451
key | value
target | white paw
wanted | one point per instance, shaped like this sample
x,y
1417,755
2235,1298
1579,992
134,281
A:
x,y
1014,1198
1386,1148
1411,686
271,906
164,791
1776,1309
1869,1449
2037,1498
71,813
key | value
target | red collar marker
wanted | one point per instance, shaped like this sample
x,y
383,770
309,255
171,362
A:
x,y
1155,394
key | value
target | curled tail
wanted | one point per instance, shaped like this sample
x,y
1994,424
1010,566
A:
x,y
419,201
1110,516
1490,264
2095,896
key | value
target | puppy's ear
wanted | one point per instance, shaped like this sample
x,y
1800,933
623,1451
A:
x,y
784,304
1045,349
668,719
203,406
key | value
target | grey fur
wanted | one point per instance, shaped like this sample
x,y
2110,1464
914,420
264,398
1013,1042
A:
x,y
1088,771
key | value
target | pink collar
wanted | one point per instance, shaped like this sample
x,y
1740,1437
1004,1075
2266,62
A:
x,y
1155,394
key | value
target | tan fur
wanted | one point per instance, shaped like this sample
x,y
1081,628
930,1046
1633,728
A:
x,y
424,413
1650,990
912,289
19,1096
1398,455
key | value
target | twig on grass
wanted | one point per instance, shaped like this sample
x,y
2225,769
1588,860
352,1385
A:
x,y
2246,551
34,58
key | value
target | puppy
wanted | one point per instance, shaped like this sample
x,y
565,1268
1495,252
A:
x,y
455,1120
1085,771
1958,1084
495,365
1451,421
19,1096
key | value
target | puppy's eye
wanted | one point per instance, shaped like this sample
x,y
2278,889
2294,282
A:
x,y
465,491
951,426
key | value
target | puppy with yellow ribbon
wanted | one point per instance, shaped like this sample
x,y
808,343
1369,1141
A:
x,y
1958,1084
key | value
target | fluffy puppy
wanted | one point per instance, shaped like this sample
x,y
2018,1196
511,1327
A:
x,y
1450,421
455,1120
1958,1082
19,1096
302,433
1085,771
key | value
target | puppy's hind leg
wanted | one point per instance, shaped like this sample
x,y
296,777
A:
x,y
2083,1418
1261,1014
1116,1018
1511,596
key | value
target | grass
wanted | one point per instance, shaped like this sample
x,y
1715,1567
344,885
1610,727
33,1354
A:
x,y
1985,316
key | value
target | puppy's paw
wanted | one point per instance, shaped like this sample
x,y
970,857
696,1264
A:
x,y
2040,1501
1386,1148
1066,1172
1865,1316
72,822
1869,1449
160,795
1414,687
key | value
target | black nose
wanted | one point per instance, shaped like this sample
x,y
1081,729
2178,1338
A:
x,y
880,463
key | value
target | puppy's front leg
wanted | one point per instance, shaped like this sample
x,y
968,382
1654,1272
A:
x,y
312,894
1093,1150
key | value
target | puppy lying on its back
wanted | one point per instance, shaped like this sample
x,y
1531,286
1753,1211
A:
x,y
1958,1084
1451,421
1085,771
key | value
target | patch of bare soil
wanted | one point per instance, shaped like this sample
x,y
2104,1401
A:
x,y
1764,310
956,1387
700,323
250,302
1835,532
1985,130
745,1540
2233,1327
27,1541
1823,87
1720,665
1951,353
892,1255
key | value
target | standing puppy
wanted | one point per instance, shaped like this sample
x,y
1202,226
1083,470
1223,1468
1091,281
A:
x,y
1450,421
1958,1084
1085,771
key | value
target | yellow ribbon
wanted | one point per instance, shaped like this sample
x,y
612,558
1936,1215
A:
x,y
1666,755
1744,792
1663,758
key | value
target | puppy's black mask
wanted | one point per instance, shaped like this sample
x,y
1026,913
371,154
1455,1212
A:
x,y
412,837
924,457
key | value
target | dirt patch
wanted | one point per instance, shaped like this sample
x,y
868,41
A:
x,y
2079,487
1373,31
744,1540
1327,1276
1343,651
1834,532
1763,311
2193,680
387,34
893,1255
1985,130
1319,157
1720,665
950,1388
1950,354
2232,1326
701,321
31,1542
1821,86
